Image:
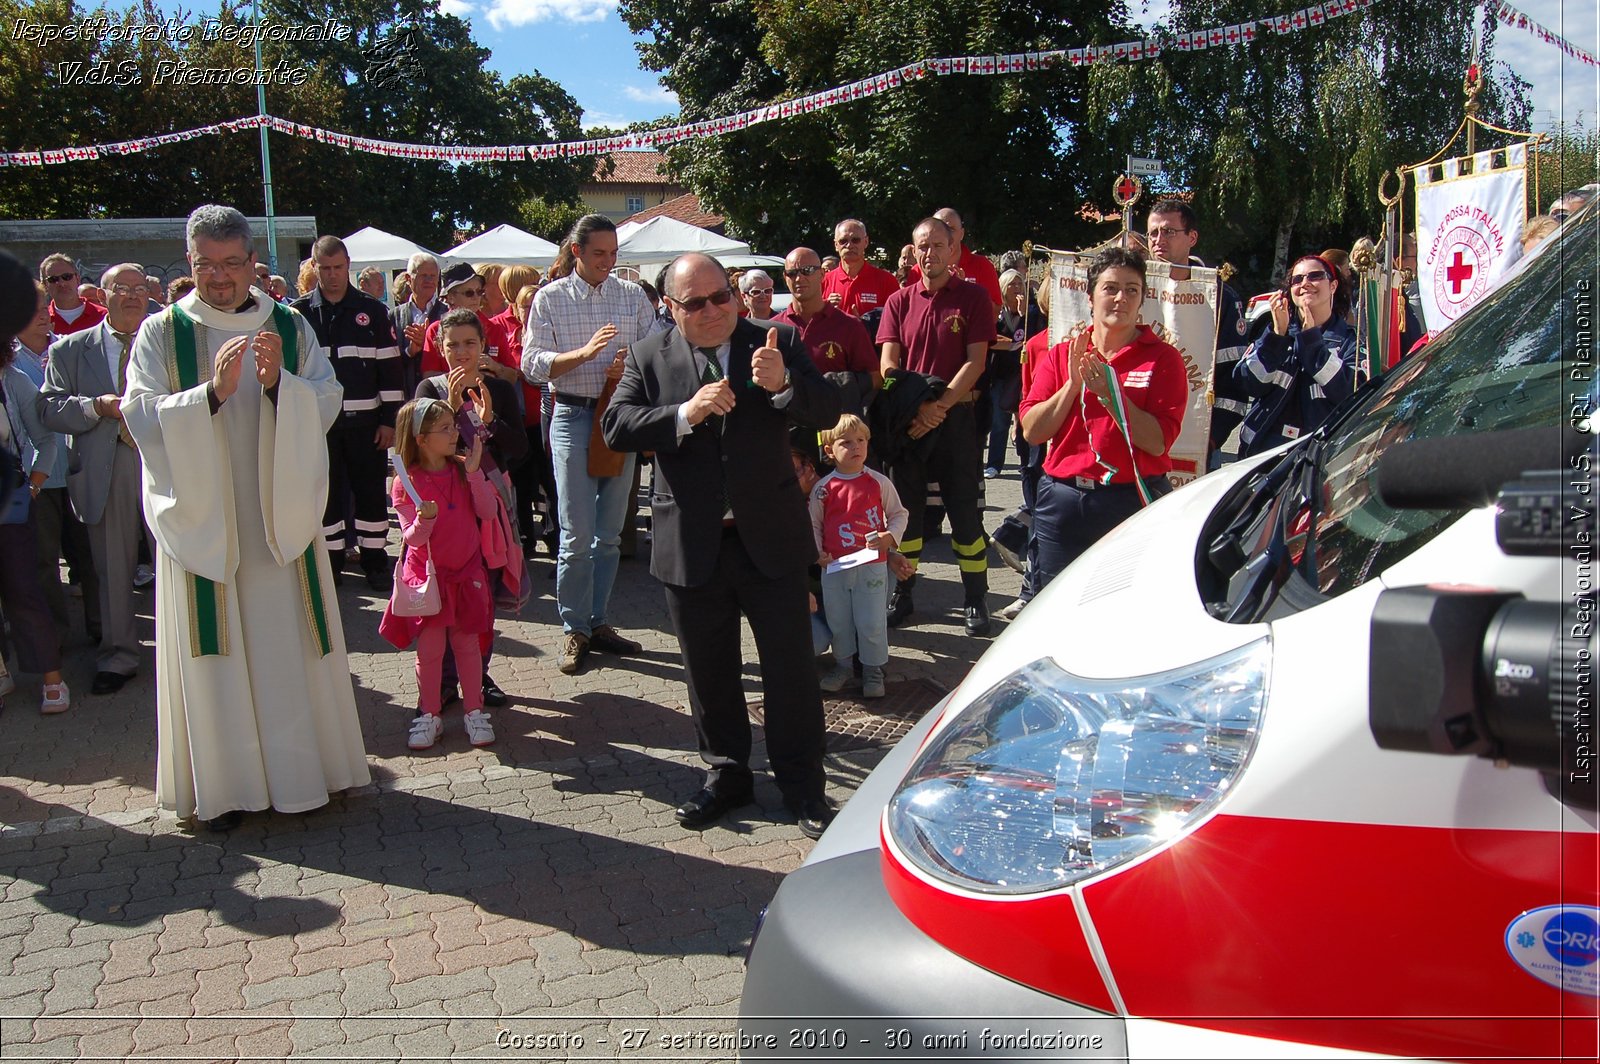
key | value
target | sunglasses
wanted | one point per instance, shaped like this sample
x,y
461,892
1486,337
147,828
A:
x,y
57,278
468,293
851,240
1310,277
698,303
801,271
759,292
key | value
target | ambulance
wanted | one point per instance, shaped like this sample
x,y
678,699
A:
x,y
1298,763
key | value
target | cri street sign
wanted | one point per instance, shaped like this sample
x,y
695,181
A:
x,y
1144,167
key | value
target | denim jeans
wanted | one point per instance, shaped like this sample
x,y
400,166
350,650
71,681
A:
x,y
592,511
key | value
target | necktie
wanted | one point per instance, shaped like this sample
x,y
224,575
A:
x,y
713,371
122,382
711,375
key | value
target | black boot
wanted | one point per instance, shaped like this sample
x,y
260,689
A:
x,y
900,605
975,589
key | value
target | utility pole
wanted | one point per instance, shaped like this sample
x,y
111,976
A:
x,y
266,151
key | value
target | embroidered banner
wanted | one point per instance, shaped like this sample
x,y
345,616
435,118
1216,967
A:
x,y
1470,213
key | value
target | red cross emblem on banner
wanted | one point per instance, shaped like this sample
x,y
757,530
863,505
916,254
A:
x,y
1233,34
1316,17
1299,21
1458,273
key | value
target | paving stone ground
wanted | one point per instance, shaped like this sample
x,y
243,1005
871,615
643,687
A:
x,y
534,899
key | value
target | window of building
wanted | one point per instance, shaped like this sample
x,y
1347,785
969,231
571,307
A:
x,y
635,204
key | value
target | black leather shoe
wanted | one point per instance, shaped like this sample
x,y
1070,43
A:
x,y
813,815
492,695
978,619
380,581
900,604
707,806
106,683
225,822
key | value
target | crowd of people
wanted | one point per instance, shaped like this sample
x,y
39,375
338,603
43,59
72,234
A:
x,y
245,448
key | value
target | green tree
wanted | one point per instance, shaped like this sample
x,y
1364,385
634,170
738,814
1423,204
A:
x,y
1569,158
1003,150
445,94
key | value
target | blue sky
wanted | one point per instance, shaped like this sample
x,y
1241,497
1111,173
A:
x,y
584,45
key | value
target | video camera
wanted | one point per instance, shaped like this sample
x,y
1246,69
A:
x,y
1470,670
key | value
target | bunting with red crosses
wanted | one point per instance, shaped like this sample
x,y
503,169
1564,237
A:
x,y
1518,20
1235,36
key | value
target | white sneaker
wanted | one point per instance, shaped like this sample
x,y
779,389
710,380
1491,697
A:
x,y
479,731
425,731
57,699
1009,611
836,678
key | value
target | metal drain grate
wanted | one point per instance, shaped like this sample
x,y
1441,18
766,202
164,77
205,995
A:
x,y
855,724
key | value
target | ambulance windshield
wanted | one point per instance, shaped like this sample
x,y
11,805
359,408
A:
x,y
1311,525
1508,364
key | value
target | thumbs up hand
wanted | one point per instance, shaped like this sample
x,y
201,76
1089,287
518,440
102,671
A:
x,y
766,365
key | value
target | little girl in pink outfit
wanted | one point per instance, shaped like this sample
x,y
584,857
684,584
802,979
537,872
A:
x,y
455,497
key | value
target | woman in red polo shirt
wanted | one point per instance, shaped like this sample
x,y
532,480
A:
x,y
1093,478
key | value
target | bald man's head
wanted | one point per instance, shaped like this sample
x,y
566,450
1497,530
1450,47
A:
x,y
949,217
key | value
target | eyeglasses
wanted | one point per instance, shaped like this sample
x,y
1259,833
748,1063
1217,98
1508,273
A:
x,y
1165,233
801,271
759,292
698,303
130,290
57,278
449,430
1308,278
469,293
231,265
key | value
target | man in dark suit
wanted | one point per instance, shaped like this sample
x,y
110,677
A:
x,y
713,399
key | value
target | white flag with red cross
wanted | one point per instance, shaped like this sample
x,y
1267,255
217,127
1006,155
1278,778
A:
x,y
1470,213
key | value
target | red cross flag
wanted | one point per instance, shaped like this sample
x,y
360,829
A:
x,y
1468,230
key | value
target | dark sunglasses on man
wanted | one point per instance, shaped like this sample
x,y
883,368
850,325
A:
x,y
57,278
698,303
801,271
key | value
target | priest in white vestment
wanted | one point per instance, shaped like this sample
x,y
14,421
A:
x,y
254,702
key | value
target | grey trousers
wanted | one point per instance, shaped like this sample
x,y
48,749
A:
x,y
114,539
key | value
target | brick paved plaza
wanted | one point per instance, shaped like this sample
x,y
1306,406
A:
x,y
490,903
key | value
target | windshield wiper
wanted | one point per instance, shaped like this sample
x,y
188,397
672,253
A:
x,y
1265,571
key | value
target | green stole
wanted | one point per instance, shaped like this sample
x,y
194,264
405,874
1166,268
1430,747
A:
x,y
208,614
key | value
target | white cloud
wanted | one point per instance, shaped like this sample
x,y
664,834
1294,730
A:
x,y
458,8
654,94
504,13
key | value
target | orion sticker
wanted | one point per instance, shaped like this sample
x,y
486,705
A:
x,y
1559,945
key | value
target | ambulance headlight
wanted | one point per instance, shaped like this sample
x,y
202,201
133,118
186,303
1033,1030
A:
x,y
1048,778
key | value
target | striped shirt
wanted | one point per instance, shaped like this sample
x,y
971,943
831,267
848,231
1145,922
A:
x,y
567,313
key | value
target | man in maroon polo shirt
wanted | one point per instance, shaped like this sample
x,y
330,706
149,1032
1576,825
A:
x,y
966,263
941,326
856,286
69,312
837,342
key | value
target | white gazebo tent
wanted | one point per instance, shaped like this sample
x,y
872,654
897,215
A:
x,y
508,245
374,247
662,239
